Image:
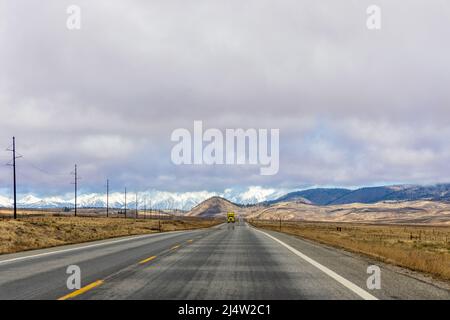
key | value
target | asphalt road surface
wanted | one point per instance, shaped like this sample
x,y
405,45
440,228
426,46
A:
x,y
230,261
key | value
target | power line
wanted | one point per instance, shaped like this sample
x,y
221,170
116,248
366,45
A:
x,y
43,170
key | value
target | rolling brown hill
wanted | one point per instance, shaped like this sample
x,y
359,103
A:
x,y
214,207
394,212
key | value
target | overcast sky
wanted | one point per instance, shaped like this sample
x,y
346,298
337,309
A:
x,y
354,107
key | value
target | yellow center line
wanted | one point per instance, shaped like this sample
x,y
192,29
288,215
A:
x,y
147,260
190,240
174,247
82,290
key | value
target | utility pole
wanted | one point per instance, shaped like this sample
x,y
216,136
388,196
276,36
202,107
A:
x,y
159,221
150,209
14,177
125,203
13,150
76,188
107,198
145,207
136,198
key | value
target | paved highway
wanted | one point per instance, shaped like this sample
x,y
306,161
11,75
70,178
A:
x,y
224,262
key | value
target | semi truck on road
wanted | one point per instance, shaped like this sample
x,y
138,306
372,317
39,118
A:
x,y
230,217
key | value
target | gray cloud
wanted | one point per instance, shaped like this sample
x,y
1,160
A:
x,y
353,107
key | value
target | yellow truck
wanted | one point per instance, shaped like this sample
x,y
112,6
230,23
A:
x,y
230,217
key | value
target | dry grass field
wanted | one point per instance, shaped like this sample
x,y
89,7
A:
x,y
419,248
401,212
48,231
88,212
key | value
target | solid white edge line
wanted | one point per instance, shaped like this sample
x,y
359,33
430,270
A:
x,y
86,246
348,284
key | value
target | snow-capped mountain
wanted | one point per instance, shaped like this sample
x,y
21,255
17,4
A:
x,y
152,198
253,194
5,202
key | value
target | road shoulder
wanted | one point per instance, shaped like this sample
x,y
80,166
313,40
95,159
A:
x,y
396,282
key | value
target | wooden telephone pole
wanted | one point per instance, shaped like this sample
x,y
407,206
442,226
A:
x,y
13,150
76,188
107,198
125,203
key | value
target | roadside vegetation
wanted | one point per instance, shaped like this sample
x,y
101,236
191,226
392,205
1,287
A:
x,y
419,248
49,231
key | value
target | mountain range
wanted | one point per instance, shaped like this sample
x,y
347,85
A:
x,y
153,198
392,205
243,196
334,196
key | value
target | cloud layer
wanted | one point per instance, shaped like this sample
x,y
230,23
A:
x,y
354,107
